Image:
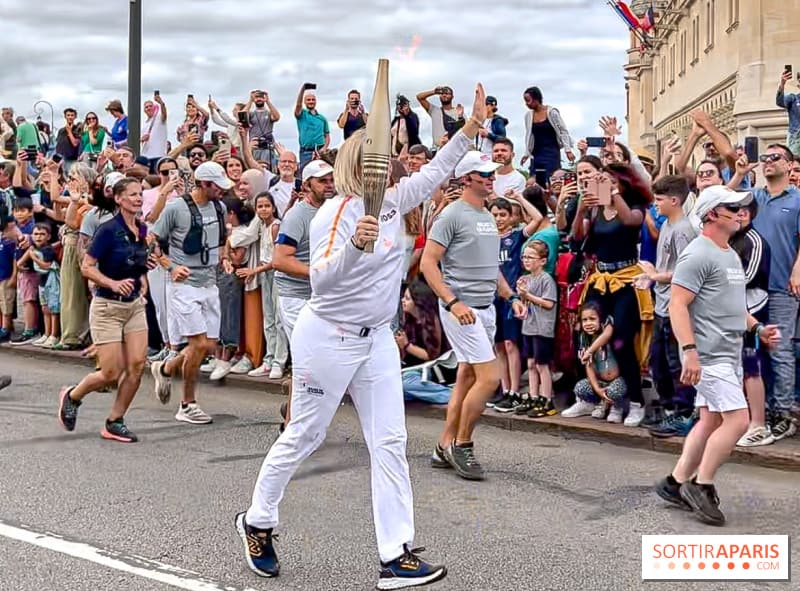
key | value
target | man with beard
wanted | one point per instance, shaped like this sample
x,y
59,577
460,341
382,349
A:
x,y
292,253
281,185
460,265
444,118
313,131
778,221
262,120
494,128
506,177
194,226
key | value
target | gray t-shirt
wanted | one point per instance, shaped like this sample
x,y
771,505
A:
x,y
719,309
93,219
672,239
261,124
174,223
437,121
469,264
294,232
539,321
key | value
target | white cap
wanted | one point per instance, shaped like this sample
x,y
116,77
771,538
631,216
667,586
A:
x,y
212,172
717,195
316,169
112,178
475,161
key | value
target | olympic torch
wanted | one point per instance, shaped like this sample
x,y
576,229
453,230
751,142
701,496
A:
x,y
377,147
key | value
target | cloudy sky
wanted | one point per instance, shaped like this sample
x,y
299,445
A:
x,y
76,54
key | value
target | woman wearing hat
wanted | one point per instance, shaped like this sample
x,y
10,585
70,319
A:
x,y
119,131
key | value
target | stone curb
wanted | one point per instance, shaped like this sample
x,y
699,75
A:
x,y
782,456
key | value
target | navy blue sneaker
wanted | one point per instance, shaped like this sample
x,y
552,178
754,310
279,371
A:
x,y
409,570
258,549
673,426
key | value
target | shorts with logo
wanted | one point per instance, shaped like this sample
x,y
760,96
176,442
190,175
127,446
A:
x,y
8,297
192,311
472,343
28,286
110,320
720,388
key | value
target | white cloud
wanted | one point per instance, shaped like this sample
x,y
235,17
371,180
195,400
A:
x,y
227,48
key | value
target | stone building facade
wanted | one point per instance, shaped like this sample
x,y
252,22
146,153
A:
x,y
724,56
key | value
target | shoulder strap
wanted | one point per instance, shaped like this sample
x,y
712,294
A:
x,y
197,219
221,222
274,181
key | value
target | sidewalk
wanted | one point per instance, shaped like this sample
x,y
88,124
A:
x,y
784,455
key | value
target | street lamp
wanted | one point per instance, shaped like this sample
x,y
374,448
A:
x,y
134,75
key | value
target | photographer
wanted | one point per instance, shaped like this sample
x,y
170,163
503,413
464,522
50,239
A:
x,y
353,117
313,131
262,120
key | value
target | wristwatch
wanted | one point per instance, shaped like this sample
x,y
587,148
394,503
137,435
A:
x,y
689,347
451,303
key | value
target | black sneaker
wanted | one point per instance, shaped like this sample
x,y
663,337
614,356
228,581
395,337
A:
x,y
703,500
670,490
67,408
508,403
497,397
258,549
439,458
409,570
673,426
117,431
542,407
25,337
655,416
782,426
524,406
462,458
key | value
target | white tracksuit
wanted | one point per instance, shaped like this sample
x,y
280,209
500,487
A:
x,y
343,341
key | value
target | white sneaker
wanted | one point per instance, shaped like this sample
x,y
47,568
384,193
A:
x,y
581,408
40,341
635,415
209,365
261,371
221,369
615,416
600,410
755,437
192,414
163,383
276,373
244,366
50,343
160,356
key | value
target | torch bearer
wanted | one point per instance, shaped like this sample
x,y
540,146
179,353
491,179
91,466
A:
x,y
377,147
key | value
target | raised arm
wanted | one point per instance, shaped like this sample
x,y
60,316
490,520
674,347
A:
x,y
298,106
423,97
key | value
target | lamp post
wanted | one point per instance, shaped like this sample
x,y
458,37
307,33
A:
x,y
135,75
38,108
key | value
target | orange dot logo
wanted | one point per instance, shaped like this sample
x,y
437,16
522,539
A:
x,y
701,565
745,565
715,566
671,566
686,566
731,566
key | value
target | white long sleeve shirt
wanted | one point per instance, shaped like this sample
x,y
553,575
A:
x,y
355,289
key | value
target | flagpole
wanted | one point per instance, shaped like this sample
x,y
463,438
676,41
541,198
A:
x,y
134,75
636,34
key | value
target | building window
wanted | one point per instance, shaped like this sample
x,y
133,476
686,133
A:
x,y
682,70
710,24
695,40
733,15
672,64
663,74
655,82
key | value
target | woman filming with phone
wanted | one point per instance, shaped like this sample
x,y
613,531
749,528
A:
x,y
196,121
609,219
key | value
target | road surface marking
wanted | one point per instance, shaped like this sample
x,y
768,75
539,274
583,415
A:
x,y
128,563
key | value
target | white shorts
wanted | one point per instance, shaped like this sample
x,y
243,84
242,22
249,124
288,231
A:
x,y
289,308
720,388
192,311
472,343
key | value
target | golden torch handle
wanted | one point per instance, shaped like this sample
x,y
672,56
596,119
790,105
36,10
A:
x,y
375,160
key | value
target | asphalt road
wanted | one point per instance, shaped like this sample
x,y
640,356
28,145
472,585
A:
x,y
78,513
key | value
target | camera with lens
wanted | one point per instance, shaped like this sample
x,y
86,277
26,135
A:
x,y
265,143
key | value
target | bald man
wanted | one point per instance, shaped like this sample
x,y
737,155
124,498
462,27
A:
x,y
313,131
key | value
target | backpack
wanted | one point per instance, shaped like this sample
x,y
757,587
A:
x,y
193,243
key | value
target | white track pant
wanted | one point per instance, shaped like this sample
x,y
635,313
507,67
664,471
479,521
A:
x,y
327,361
157,280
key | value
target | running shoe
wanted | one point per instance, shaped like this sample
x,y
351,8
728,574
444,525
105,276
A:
x,y
581,408
276,372
193,414
163,384
497,397
462,458
409,570
615,415
756,437
670,490
635,415
67,408
438,458
509,403
524,406
26,337
600,410
542,407
262,371
117,431
782,426
704,501
673,426
242,367
259,552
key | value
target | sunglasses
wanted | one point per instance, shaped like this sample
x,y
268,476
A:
x,y
484,175
770,157
91,118
197,154
733,208
702,174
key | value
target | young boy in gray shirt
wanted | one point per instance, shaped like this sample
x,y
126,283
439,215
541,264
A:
x,y
677,399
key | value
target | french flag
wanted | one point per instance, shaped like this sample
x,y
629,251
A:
x,y
627,14
648,21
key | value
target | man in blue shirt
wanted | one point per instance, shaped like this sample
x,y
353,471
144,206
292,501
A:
x,y
313,131
790,102
778,221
